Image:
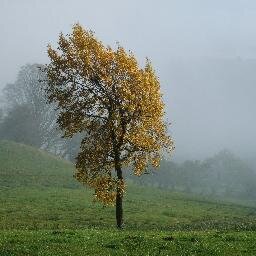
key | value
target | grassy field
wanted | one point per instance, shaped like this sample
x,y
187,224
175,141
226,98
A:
x,y
44,211
112,242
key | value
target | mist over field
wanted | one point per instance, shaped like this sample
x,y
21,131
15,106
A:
x,y
203,51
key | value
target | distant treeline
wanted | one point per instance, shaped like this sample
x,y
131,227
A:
x,y
223,175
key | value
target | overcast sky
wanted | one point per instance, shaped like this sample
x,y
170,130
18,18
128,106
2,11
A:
x,y
203,51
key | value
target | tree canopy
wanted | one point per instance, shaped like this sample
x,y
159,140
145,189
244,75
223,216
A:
x,y
118,105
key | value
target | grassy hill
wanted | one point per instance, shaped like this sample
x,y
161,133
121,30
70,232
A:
x,y
22,165
44,211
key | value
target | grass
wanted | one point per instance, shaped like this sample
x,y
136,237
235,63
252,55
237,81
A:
x,y
112,242
144,209
25,166
44,211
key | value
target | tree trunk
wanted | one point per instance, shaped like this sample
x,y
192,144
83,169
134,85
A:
x,y
119,200
119,192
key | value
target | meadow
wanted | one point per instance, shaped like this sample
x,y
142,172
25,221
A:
x,y
44,211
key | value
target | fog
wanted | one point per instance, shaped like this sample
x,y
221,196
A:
x,y
203,51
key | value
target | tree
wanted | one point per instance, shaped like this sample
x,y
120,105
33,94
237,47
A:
x,y
1,115
71,146
118,105
19,125
38,120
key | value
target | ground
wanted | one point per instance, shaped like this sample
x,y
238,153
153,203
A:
x,y
44,211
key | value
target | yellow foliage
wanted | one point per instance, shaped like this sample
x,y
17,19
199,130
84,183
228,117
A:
x,y
118,105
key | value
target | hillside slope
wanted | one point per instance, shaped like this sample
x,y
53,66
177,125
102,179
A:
x,y
38,191
22,165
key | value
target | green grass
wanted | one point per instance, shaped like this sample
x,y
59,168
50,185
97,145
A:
x,y
22,165
112,242
144,209
44,211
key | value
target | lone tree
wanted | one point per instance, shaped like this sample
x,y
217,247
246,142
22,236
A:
x,y
117,105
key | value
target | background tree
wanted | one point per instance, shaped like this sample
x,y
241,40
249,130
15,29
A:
x,y
1,115
28,117
118,105
71,147
19,125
